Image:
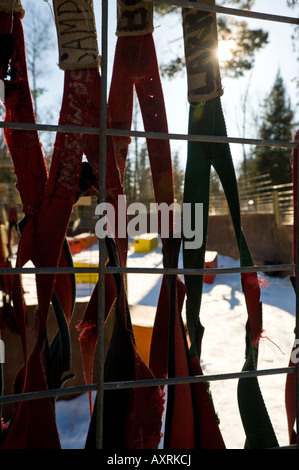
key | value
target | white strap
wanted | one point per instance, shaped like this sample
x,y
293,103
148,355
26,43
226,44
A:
x,y
134,20
202,64
77,35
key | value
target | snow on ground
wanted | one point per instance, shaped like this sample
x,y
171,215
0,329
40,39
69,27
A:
x,y
223,314
224,317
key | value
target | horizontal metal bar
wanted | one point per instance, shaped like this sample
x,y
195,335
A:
x,y
55,392
190,272
147,135
61,392
290,447
22,126
201,138
131,270
197,378
229,11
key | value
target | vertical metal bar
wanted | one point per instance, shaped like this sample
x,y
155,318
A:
x,y
102,198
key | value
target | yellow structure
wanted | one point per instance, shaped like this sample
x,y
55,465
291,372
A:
x,y
146,242
86,277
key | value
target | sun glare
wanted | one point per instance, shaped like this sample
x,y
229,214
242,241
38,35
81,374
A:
x,y
225,50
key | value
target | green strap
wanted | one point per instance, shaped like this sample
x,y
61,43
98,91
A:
x,y
208,119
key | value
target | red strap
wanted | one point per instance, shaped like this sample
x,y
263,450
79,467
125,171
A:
x,y
142,73
62,185
251,289
143,429
25,428
209,435
135,65
34,425
24,146
144,422
89,328
182,423
191,422
81,93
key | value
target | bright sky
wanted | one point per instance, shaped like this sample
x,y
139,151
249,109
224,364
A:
x,y
168,39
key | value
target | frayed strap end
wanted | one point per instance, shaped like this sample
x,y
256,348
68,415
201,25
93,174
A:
x,y
251,289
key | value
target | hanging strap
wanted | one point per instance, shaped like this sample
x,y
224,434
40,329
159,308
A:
x,y
145,77
136,66
80,107
25,149
121,326
132,418
190,421
88,328
31,172
206,118
249,391
76,34
290,387
201,42
138,413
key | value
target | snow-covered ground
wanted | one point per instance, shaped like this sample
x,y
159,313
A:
x,y
223,315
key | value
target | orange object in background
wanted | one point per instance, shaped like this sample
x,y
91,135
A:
x,y
143,317
86,240
75,245
81,242
211,261
143,337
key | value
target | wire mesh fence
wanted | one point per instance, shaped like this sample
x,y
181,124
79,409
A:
x,y
261,197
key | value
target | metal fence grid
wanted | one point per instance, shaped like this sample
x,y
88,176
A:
x,y
100,386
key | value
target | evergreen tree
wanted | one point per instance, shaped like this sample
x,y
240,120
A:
x,y
276,124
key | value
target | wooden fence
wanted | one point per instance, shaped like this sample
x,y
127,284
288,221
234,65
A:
x,y
260,196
